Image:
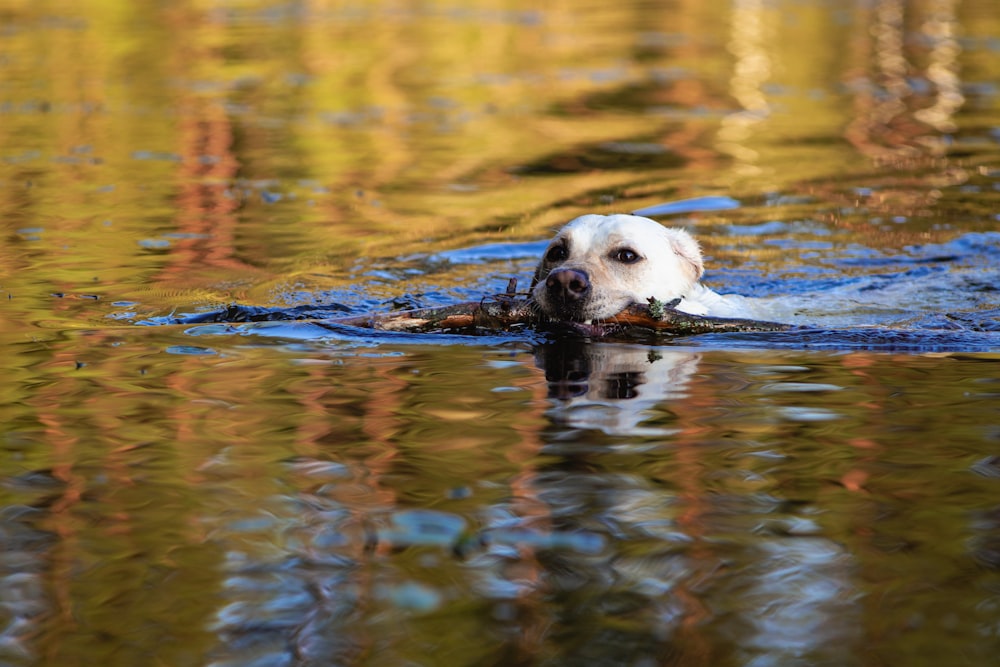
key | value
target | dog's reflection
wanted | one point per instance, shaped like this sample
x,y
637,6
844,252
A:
x,y
613,387
675,546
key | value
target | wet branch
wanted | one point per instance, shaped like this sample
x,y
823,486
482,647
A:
x,y
513,310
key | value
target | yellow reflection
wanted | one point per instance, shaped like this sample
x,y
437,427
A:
x,y
277,144
892,119
940,29
748,41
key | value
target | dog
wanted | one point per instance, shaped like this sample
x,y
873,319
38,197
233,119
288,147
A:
x,y
597,265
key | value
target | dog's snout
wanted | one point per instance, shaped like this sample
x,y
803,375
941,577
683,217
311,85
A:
x,y
568,284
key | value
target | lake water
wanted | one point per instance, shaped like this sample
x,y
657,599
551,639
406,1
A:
x,y
176,490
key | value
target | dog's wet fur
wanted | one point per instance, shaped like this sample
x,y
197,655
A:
x,y
597,265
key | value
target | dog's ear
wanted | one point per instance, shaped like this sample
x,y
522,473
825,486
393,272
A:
x,y
688,250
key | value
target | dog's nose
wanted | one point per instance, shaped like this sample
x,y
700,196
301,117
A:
x,y
568,284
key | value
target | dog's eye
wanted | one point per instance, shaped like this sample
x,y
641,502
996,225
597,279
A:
x,y
626,256
556,253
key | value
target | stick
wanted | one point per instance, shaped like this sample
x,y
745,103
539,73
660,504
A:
x,y
511,310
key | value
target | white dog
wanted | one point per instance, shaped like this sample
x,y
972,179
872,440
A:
x,y
598,264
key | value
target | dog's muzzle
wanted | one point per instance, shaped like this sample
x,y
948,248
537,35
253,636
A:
x,y
566,291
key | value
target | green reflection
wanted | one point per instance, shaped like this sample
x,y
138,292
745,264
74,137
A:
x,y
237,496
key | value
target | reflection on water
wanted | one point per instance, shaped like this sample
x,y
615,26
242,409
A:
x,y
888,126
612,388
587,503
751,71
194,470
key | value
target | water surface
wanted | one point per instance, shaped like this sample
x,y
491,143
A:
x,y
185,491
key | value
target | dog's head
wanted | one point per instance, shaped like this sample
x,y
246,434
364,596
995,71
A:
x,y
598,264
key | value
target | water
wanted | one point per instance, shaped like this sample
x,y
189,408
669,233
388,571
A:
x,y
273,490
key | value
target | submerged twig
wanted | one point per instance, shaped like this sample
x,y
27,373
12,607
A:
x,y
512,310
